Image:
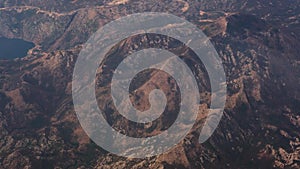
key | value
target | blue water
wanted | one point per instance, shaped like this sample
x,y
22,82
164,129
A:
x,y
14,48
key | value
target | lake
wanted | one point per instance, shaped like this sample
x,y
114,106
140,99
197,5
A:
x,y
14,48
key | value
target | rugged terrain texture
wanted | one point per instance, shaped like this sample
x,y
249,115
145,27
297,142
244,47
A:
x,y
258,42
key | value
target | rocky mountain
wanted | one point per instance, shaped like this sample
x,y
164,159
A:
x,y
258,42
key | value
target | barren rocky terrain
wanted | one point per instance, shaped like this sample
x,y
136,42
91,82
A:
x,y
258,42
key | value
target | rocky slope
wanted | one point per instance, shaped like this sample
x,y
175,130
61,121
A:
x,y
258,44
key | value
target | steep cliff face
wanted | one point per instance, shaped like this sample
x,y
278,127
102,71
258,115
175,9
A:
x,y
259,45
